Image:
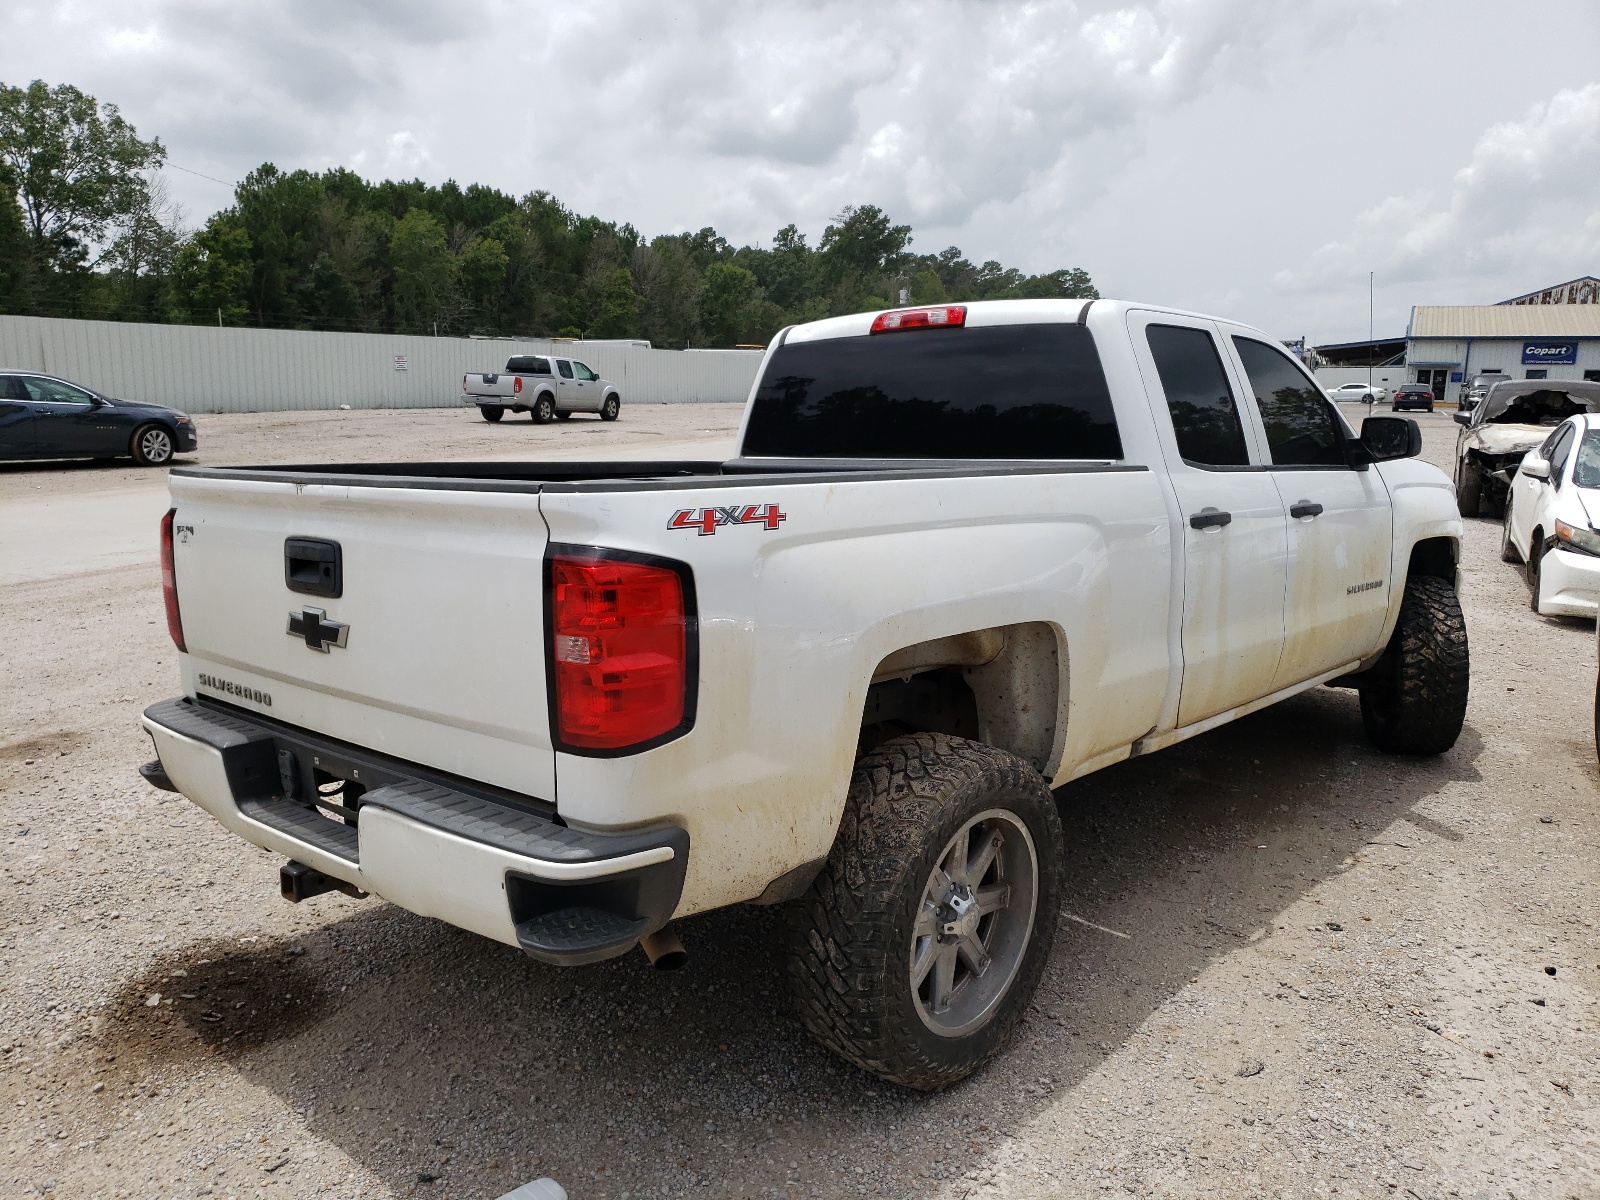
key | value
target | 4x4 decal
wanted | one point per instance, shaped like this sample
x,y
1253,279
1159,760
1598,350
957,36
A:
x,y
709,520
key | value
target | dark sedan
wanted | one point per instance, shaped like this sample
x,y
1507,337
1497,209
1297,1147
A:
x,y
45,417
1413,395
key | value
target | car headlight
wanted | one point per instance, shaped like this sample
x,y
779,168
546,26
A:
x,y
1583,540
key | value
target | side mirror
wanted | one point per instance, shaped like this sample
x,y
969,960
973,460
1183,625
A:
x,y
1462,418
1386,438
1535,467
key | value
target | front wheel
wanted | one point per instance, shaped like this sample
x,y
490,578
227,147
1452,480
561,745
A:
x,y
1508,545
152,446
1414,701
491,413
544,410
610,409
1536,569
1469,488
919,945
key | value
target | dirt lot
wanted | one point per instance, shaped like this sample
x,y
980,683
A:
x,y
1293,966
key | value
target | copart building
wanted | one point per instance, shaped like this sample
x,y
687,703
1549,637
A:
x,y
1548,334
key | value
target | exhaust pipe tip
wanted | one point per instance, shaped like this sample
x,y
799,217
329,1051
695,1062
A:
x,y
663,949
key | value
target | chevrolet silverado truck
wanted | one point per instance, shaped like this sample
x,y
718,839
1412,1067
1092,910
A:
x,y
543,385
964,555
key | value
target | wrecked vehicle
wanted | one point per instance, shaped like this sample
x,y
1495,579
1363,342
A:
x,y
1550,519
1514,417
966,553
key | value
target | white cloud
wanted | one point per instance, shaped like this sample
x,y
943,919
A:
x,y
1181,150
1524,208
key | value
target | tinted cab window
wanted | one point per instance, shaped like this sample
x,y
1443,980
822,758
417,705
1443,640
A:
x,y
995,392
1302,430
1205,416
564,367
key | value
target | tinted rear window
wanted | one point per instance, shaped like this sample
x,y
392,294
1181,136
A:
x,y
1008,391
527,365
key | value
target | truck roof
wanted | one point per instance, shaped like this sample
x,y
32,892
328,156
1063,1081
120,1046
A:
x,y
983,312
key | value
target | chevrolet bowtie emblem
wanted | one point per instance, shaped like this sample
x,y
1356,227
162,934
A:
x,y
319,634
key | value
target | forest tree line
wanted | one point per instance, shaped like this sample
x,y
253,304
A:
x,y
87,230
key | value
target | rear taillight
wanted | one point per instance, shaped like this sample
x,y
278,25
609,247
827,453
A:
x,y
620,641
169,583
463,383
516,385
943,316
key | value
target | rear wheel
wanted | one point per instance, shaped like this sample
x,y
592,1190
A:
x,y
544,409
152,445
610,409
918,947
491,412
1414,701
1469,488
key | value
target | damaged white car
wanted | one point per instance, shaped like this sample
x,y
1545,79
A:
x,y
1513,418
1550,519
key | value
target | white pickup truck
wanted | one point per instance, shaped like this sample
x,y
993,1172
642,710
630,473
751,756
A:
x,y
544,385
965,554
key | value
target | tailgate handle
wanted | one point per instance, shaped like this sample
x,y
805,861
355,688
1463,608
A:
x,y
313,566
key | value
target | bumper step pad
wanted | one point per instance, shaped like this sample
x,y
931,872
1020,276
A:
x,y
305,824
575,936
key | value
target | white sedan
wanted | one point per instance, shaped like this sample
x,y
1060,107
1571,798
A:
x,y
1357,393
1548,521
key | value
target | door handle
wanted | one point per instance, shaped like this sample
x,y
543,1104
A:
x,y
1305,508
1210,518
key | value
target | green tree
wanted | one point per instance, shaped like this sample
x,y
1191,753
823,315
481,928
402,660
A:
x,y
729,294
424,273
928,288
669,292
76,165
863,239
15,261
619,307
212,275
482,269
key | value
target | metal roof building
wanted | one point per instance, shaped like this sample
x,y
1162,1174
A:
x,y
1552,334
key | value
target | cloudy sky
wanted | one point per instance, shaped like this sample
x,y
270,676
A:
x,y
1254,158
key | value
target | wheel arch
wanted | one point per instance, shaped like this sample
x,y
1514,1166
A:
x,y
1010,681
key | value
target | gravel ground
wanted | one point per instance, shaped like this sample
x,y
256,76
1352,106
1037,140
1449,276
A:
x,y
1292,966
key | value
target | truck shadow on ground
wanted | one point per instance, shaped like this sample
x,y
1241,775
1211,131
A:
x,y
449,1065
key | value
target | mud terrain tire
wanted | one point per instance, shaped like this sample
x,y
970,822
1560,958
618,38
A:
x,y
857,937
1414,700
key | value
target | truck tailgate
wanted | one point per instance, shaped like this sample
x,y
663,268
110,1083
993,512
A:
x,y
442,662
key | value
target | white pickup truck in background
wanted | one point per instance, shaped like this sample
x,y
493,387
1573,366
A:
x,y
965,554
544,385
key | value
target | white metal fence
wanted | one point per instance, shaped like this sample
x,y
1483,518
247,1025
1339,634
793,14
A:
x,y
200,369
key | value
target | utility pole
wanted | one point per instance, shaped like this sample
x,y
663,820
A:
x,y
1370,276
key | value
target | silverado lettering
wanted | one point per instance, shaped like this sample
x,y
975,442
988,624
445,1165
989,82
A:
x,y
229,688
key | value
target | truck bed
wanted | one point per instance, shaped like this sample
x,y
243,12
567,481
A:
x,y
633,475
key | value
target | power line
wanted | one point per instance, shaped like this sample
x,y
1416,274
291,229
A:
x,y
202,175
